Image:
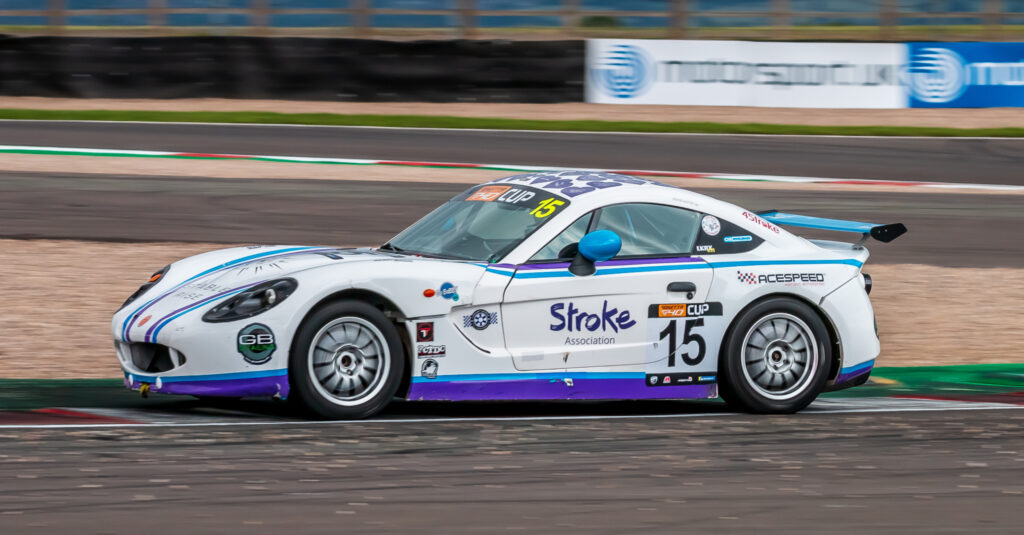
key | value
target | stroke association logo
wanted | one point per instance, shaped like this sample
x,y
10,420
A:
x,y
623,71
937,75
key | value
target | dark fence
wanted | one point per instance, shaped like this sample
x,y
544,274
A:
x,y
292,68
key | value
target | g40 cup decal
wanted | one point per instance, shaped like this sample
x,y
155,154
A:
x,y
685,339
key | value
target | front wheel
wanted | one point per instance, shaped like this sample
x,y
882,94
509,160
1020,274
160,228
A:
x,y
346,361
776,359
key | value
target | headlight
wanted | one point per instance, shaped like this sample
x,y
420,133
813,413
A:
x,y
153,279
255,300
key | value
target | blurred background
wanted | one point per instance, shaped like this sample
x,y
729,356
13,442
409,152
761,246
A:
x,y
525,19
134,133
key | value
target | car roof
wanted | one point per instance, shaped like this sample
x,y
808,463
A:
x,y
573,184
599,188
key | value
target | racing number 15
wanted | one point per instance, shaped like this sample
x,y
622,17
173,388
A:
x,y
546,207
688,336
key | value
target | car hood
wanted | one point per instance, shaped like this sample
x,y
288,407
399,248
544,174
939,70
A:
x,y
203,279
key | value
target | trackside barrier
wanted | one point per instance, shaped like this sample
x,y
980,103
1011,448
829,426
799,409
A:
x,y
805,75
292,68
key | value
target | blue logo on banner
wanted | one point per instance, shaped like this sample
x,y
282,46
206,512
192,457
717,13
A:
x,y
624,71
965,75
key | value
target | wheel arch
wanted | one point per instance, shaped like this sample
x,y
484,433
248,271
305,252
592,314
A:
x,y
833,333
393,313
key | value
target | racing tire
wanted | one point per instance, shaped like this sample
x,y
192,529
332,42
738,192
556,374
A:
x,y
776,359
346,361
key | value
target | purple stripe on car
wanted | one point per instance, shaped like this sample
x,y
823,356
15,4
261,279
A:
x,y
246,387
156,324
857,371
551,389
623,262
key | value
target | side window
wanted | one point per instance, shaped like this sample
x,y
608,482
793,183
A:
x,y
651,229
569,236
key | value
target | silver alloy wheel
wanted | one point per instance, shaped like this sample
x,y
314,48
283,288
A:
x,y
780,356
348,361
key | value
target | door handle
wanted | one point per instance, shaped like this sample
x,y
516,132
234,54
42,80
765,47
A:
x,y
688,287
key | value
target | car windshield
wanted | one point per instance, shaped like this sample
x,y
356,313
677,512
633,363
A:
x,y
481,224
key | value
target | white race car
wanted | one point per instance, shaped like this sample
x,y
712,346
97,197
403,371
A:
x,y
567,285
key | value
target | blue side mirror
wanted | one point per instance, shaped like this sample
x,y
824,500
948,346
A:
x,y
600,245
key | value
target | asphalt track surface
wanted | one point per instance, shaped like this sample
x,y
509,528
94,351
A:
x,y
946,229
706,471
995,161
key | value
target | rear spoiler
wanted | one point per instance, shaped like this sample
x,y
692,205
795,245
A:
x,y
882,233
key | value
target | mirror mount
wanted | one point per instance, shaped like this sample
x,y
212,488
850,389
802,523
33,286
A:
x,y
581,266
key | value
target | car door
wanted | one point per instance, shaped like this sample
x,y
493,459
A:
x,y
557,320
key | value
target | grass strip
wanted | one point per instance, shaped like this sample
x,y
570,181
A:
x,y
424,121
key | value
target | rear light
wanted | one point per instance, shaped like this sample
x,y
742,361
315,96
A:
x,y
867,282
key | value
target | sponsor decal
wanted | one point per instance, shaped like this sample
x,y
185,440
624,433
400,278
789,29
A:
x,y
572,318
488,193
425,331
762,222
676,379
256,343
711,225
590,341
144,320
429,369
737,239
430,351
450,291
789,279
623,71
685,310
480,320
705,249
940,75
509,194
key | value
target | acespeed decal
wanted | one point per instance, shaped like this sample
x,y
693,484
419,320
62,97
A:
x,y
126,326
789,279
68,151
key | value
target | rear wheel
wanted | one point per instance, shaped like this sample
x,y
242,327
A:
x,y
776,358
346,361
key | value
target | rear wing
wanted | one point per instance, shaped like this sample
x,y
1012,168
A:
x,y
882,233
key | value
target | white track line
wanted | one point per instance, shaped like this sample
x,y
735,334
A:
x,y
911,406
79,151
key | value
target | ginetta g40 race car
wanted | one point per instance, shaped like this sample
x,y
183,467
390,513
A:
x,y
561,285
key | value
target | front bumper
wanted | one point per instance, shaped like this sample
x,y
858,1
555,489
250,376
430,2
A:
x,y
263,383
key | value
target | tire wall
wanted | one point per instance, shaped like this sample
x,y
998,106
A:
x,y
292,68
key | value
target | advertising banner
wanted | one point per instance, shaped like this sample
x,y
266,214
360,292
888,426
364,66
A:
x,y
966,75
745,73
